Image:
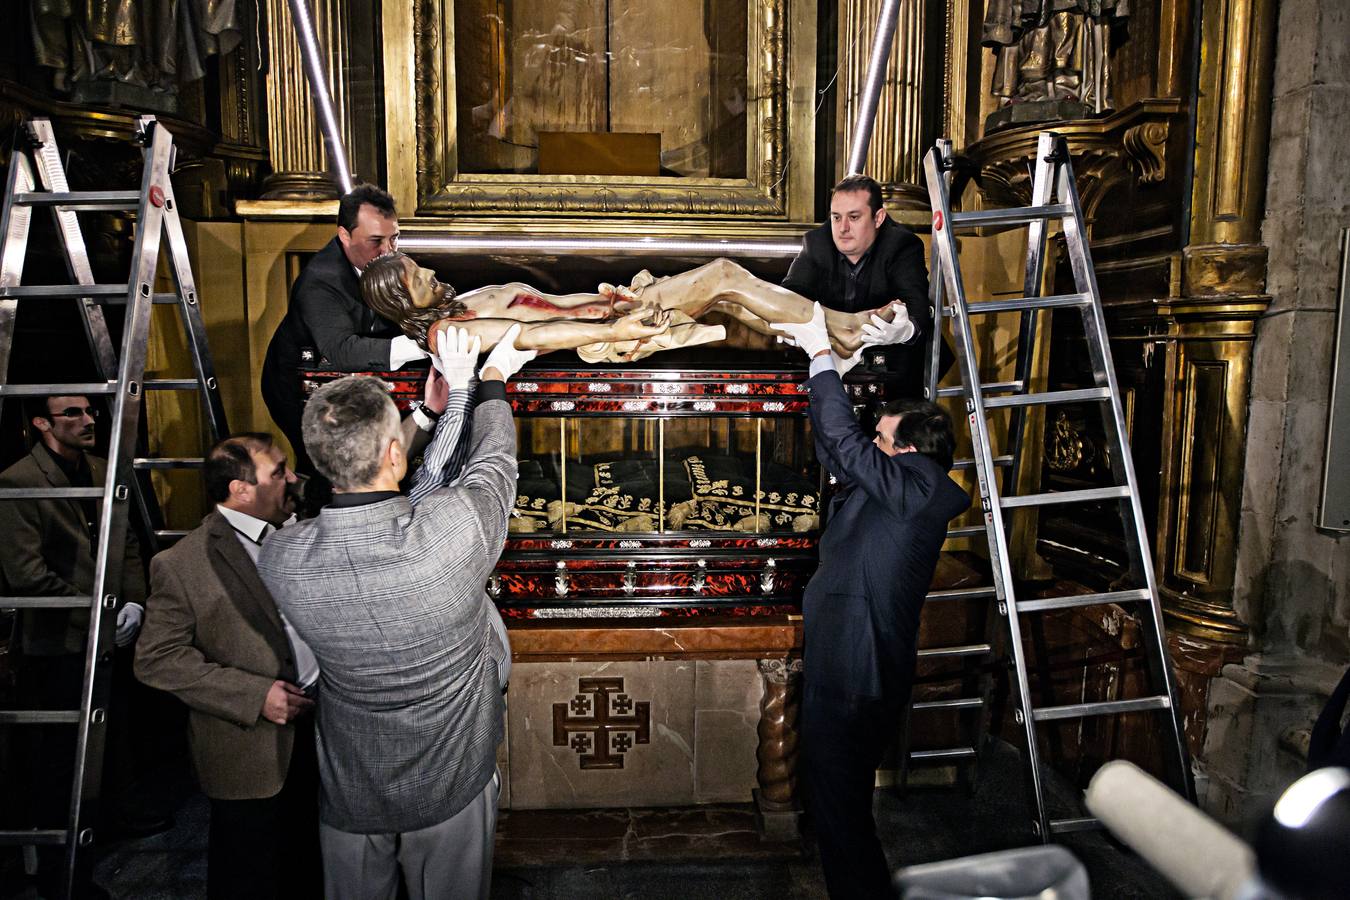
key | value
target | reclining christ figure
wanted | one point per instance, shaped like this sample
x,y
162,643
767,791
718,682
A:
x,y
617,324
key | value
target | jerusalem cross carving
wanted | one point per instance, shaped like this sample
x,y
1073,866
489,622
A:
x,y
601,723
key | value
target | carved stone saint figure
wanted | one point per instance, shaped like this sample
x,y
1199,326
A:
x,y
1053,50
616,324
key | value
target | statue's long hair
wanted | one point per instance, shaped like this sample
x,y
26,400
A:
x,y
385,291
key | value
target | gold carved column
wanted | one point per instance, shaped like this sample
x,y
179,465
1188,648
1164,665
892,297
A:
x,y
1223,282
300,169
903,127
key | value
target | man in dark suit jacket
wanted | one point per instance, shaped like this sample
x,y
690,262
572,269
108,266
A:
x,y
860,260
885,528
213,638
328,316
48,551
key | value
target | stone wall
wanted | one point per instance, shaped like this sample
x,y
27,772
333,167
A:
x,y
1293,581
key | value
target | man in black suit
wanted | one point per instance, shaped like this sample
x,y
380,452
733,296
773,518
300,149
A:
x,y
328,316
885,528
861,260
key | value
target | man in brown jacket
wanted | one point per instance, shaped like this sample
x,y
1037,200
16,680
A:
x,y
213,637
47,550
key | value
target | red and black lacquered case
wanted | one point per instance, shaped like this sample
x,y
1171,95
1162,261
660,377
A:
x,y
660,489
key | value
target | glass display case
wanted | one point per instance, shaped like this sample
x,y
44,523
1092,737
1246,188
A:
x,y
650,492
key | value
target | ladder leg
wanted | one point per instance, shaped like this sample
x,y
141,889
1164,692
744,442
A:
x,y
1122,464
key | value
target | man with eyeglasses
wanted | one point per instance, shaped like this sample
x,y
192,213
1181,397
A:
x,y
327,323
48,551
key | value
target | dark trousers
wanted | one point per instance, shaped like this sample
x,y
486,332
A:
x,y
269,848
843,738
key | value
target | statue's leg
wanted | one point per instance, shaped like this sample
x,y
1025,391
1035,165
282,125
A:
x,y
724,285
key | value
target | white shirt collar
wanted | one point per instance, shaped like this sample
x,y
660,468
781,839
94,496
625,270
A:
x,y
251,527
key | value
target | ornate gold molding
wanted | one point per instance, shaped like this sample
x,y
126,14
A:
x,y
1232,121
294,141
780,51
1129,145
900,134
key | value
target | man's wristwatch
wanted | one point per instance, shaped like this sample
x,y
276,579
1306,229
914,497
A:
x,y
424,416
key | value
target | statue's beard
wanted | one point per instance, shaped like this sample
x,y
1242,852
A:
x,y
417,322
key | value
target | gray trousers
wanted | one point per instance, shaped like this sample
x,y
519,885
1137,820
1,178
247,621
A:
x,y
450,860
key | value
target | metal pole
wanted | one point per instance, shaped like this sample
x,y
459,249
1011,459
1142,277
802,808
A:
x,y
871,92
318,87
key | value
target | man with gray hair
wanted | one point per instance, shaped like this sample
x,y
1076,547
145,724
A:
x,y
413,654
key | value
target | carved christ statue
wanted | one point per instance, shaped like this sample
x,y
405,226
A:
x,y
616,324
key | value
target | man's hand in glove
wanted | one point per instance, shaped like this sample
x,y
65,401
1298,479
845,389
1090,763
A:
x,y
128,624
505,360
456,355
899,330
811,336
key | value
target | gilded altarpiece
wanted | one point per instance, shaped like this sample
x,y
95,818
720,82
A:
x,y
727,86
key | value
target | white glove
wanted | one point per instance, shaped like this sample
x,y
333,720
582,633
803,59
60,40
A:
x,y
505,358
456,355
811,336
128,624
403,350
844,364
897,331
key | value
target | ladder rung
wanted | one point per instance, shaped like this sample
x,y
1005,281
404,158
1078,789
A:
x,y
72,601
37,836
63,290
965,531
1045,603
1005,460
952,753
39,716
1065,826
172,384
1020,304
51,390
1016,215
963,650
1105,708
160,299
1085,496
960,703
993,387
169,462
979,593
64,493
1078,396
81,199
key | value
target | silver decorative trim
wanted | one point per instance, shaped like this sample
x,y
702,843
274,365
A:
x,y
599,387
494,586
766,577
635,405
704,405
666,387
774,406
561,587
597,612
767,542
699,543
630,579
738,389
629,545
700,577
560,545
563,405
526,387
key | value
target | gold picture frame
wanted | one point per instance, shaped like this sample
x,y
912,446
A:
x,y
423,157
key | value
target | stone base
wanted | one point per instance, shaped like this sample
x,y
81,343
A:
x,y
1252,707
776,822
117,93
1033,112
637,733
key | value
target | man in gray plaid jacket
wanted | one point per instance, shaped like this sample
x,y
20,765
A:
x,y
413,654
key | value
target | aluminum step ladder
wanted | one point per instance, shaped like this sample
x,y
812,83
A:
x,y
37,179
1054,198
